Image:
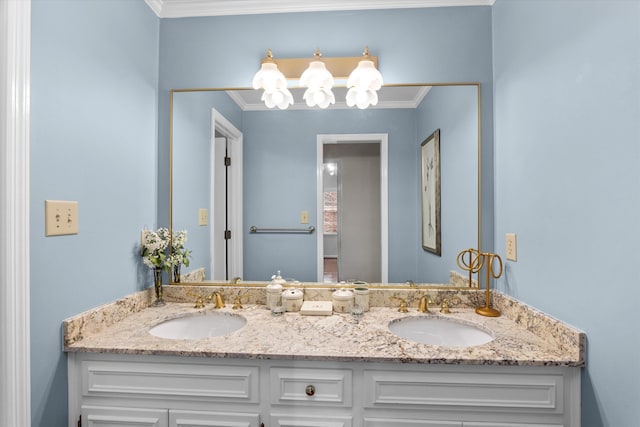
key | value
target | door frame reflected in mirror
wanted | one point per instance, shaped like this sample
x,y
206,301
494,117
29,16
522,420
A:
x,y
382,139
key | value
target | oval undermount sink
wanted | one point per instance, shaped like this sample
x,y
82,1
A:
x,y
213,324
439,331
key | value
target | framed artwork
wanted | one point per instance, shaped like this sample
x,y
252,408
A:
x,y
430,189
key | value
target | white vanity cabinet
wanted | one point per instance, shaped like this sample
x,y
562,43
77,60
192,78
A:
x,y
471,396
155,391
158,391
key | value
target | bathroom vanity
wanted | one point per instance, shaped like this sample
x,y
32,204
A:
x,y
320,371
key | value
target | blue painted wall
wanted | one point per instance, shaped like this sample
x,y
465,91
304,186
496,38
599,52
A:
x,y
192,134
566,109
280,182
453,110
567,147
280,179
432,45
94,140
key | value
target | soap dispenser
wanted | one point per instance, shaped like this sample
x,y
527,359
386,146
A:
x,y
274,291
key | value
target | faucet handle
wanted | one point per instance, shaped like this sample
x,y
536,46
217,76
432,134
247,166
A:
x,y
403,304
237,302
447,302
199,303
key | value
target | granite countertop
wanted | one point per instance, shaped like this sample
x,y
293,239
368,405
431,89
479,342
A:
x,y
522,336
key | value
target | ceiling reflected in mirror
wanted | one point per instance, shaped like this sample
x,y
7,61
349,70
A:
x,y
388,97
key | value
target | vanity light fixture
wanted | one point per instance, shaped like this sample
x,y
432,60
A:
x,y
317,75
318,81
274,84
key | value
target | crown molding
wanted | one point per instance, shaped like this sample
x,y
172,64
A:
x,y
253,103
191,8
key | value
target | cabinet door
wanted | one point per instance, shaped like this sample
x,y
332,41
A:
x,y
212,419
109,416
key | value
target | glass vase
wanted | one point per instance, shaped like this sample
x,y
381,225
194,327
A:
x,y
176,273
157,284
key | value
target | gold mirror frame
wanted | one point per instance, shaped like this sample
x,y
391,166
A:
x,y
318,285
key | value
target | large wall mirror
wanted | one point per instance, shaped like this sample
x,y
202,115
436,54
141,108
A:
x,y
323,195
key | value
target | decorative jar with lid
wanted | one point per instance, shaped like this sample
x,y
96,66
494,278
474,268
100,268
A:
x,y
342,300
292,299
274,291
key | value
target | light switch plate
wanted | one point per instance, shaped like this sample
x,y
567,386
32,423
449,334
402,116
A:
x,y
61,217
304,217
511,250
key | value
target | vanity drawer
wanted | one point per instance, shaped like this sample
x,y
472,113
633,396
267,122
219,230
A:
x,y
321,387
538,393
219,383
289,420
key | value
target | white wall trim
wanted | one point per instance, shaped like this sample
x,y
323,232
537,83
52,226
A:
x,y
186,8
383,140
15,86
224,127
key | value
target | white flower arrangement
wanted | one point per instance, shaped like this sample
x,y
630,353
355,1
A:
x,y
179,254
154,249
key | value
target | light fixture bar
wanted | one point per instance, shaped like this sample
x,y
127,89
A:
x,y
339,67
318,76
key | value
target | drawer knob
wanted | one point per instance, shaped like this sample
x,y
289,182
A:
x,y
310,390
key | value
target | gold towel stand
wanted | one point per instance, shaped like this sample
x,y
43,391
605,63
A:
x,y
472,260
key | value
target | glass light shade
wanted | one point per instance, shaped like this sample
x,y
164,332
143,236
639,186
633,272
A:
x,y
269,78
280,98
274,84
319,82
362,98
365,76
316,75
320,97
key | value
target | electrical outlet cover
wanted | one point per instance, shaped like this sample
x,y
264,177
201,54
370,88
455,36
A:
x,y
203,216
511,247
304,217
